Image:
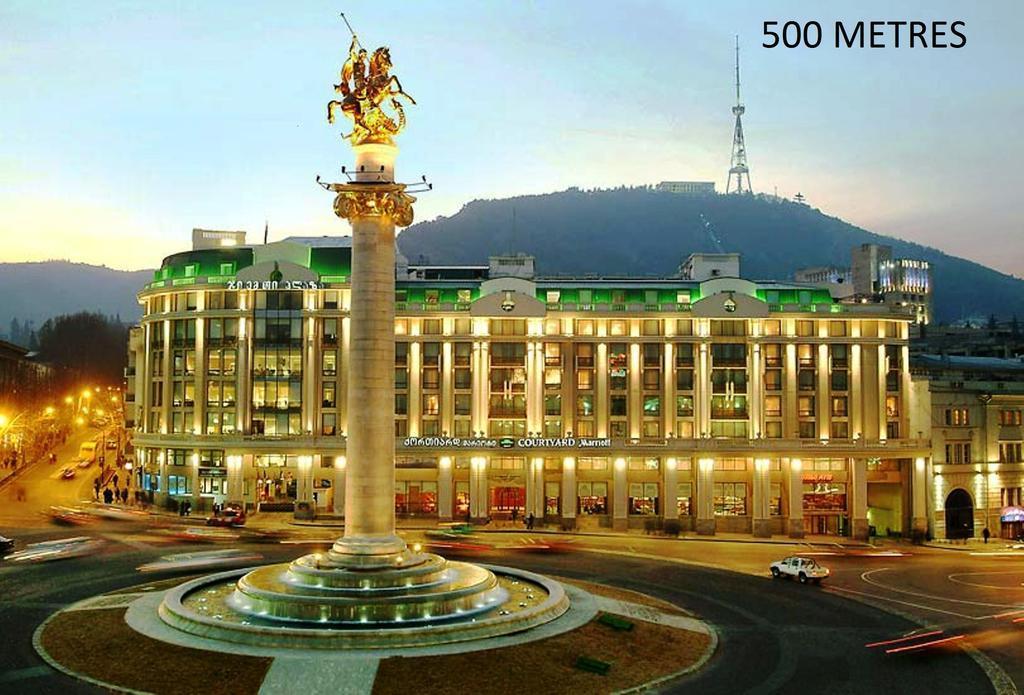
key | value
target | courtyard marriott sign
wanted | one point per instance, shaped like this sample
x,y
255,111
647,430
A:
x,y
507,442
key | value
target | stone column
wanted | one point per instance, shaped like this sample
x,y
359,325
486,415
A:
x,y
635,397
824,401
342,378
194,472
601,390
236,487
705,479
372,209
537,474
447,390
338,481
859,498
761,511
669,477
415,389
796,498
919,496
620,492
568,492
445,484
478,506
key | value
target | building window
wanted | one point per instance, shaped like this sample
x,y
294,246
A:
x,y
1010,452
959,452
957,417
592,498
730,499
643,499
684,499
1009,418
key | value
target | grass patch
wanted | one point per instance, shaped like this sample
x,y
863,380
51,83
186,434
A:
x,y
618,594
549,666
99,644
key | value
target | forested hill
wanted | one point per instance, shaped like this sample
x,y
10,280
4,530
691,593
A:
x,y
640,231
30,293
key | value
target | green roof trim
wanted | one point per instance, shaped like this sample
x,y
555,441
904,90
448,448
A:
x,y
331,261
610,295
203,263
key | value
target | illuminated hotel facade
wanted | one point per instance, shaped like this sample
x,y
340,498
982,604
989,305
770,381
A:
x,y
727,405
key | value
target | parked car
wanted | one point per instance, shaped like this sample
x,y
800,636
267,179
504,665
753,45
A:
x,y
58,550
805,569
6,545
230,514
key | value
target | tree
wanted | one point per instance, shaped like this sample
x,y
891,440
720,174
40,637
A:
x,y
89,343
992,323
14,335
1014,326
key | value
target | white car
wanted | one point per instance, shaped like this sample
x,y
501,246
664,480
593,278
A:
x,y
58,550
805,569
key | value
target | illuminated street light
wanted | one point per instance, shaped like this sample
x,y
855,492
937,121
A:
x,y
69,400
49,410
80,421
3,421
87,394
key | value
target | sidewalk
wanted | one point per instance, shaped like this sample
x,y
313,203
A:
x,y
284,520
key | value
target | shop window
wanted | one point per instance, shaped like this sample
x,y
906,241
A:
x,y
592,498
643,499
730,499
684,499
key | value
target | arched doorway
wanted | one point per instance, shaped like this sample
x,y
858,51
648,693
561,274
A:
x,y
959,515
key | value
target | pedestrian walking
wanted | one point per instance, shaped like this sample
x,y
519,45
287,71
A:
x,y
108,496
515,514
115,480
985,533
529,521
124,495
96,488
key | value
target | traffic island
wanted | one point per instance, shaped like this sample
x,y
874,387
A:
x,y
609,640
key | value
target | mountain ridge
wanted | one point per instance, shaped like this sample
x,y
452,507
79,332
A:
x,y
774,236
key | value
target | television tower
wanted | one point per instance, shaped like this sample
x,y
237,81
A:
x,y
738,168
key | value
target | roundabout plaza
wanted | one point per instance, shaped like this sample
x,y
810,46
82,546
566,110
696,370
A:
x,y
312,624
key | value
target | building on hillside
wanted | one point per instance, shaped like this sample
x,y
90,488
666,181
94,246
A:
x,y
721,403
905,282
992,339
839,281
973,406
705,266
874,276
687,187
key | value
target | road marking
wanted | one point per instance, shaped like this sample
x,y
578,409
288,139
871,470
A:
x,y
953,578
865,578
903,603
24,673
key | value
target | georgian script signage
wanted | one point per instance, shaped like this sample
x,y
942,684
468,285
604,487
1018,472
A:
x,y
507,442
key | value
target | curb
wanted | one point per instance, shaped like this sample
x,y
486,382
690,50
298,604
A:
x,y
997,676
37,644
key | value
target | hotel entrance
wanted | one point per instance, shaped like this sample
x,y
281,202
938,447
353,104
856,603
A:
x,y
508,502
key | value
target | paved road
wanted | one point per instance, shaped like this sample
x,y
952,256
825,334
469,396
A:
x,y
777,636
44,487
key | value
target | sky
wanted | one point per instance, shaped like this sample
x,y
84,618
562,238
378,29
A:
x,y
123,125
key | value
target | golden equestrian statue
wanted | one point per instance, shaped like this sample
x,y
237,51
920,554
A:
x,y
365,88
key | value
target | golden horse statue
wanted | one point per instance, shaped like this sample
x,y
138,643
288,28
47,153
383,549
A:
x,y
365,88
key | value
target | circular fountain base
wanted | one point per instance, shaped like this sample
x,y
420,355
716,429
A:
x,y
318,602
